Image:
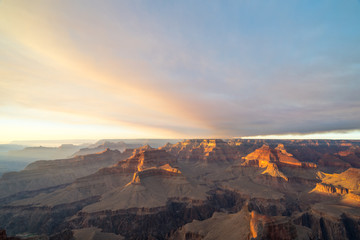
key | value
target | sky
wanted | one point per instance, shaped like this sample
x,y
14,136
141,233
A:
x,y
179,69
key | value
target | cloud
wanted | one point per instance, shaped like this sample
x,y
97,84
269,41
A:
x,y
206,71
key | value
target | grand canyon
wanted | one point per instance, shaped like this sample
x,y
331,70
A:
x,y
179,120
192,189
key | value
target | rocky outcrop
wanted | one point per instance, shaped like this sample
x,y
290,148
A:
x,y
345,184
164,171
278,155
142,158
204,151
273,170
273,160
328,188
349,179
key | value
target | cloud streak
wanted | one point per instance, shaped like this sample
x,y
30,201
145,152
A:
x,y
216,70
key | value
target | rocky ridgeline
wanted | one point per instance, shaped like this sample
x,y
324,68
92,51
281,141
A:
x,y
329,188
264,155
346,184
142,158
273,159
164,171
204,151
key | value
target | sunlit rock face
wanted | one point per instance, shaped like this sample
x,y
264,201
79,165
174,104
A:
x,y
329,188
279,155
141,159
205,151
345,184
164,171
272,159
266,227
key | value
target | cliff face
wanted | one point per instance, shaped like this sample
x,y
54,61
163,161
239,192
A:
x,y
158,222
204,151
273,159
219,226
242,225
278,155
349,179
164,171
345,184
141,158
264,227
328,188
309,150
325,226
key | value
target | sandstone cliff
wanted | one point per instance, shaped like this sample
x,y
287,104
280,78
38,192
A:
x,y
204,151
273,160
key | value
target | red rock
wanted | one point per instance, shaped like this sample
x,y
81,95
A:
x,y
329,160
278,155
206,151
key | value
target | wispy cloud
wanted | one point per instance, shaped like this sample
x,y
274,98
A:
x,y
165,70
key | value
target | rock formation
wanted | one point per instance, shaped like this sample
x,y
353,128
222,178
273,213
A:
x,y
351,156
329,188
346,184
195,189
265,154
204,151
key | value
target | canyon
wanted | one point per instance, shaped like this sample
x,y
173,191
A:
x,y
192,189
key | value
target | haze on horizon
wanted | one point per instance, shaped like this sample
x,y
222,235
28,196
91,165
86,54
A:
x,y
180,69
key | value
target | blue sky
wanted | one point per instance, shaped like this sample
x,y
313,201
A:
x,y
182,69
